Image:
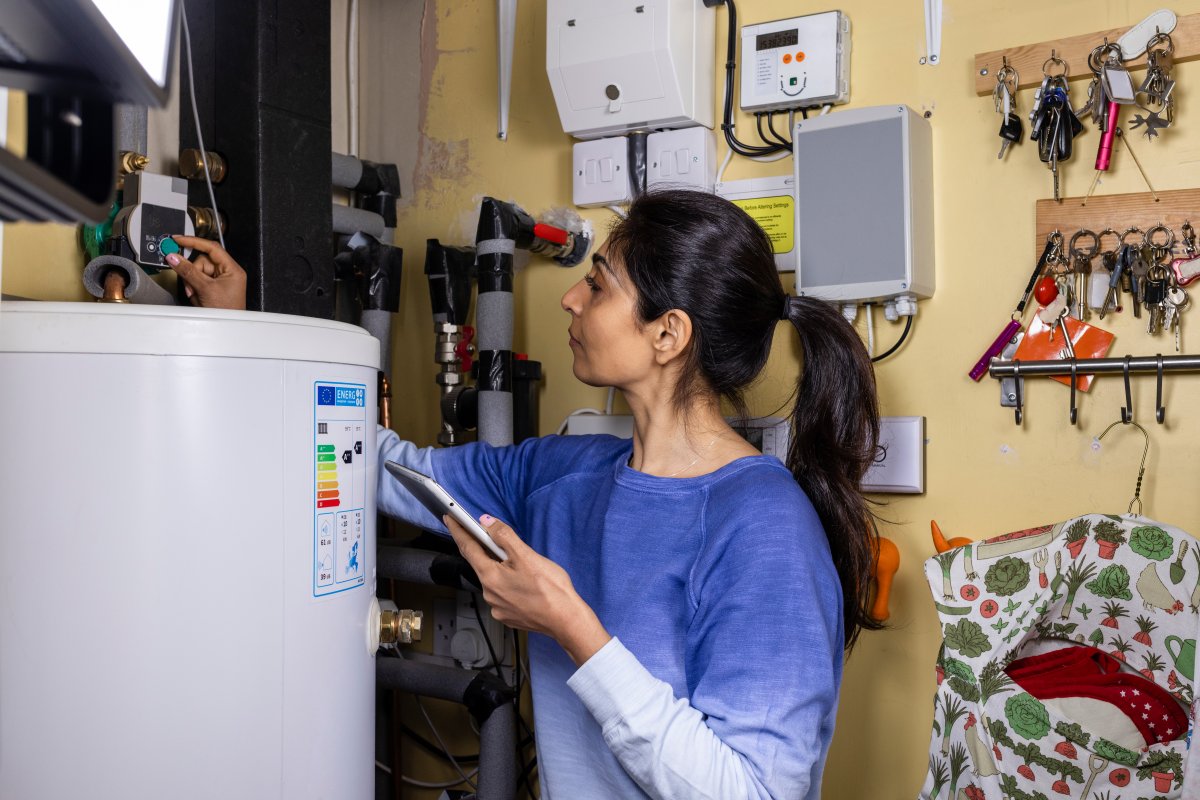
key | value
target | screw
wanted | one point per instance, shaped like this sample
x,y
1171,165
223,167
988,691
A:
x,y
983,71
921,60
1012,396
928,114
933,59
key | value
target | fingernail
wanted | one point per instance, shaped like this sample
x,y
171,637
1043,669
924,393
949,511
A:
x,y
487,519
173,259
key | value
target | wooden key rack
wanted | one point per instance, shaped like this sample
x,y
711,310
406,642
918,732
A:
x,y
1028,59
1119,211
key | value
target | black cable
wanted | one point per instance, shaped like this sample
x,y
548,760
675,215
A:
x,y
900,341
771,128
434,749
736,146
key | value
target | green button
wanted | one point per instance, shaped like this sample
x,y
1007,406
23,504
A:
x,y
168,246
324,448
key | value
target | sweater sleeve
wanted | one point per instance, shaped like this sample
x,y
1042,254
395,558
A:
x,y
660,740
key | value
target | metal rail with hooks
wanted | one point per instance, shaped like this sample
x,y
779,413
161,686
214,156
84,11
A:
x,y
1074,367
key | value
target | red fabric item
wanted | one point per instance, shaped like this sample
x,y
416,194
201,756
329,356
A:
x,y
1092,673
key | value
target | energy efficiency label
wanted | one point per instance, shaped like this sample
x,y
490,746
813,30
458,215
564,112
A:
x,y
339,487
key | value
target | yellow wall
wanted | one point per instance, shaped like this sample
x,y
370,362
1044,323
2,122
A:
x,y
985,476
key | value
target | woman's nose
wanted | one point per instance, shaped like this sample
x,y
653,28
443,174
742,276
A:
x,y
571,300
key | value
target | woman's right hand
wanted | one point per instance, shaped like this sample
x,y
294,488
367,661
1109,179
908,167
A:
x,y
213,279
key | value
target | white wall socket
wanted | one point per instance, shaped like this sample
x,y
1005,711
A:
x,y
600,172
902,470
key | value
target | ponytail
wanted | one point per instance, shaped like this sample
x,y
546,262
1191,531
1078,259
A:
x,y
835,435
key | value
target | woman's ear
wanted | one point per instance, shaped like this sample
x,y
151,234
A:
x,y
672,335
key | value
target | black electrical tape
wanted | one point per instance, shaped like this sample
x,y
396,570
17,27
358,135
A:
x,y
495,371
1041,264
636,151
485,694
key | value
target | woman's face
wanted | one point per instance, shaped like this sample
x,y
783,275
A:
x,y
610,347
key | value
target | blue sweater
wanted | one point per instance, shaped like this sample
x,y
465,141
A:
x,y
722,677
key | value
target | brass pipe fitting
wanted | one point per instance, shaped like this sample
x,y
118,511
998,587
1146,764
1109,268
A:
x,y
400,626
114,287
191,165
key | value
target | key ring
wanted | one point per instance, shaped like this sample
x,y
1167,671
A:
x,y
1100,237
1079,253
1131,230
1163,39
1054,60
1160,228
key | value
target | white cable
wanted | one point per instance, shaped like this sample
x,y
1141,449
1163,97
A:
x,y
442,744
870,309
187,40
608,404
620,212
430,785
828,107
352,77
380,765
776,157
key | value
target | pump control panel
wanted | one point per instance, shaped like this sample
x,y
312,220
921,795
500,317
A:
x,y
155,209
796,62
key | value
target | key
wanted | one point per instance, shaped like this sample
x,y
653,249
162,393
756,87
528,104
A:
x,y
1011,131
1114,282
1036,117
1187,268
1137,279
1178,300
1154,295
1068,348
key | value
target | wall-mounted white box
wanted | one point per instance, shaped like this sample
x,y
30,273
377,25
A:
x,y
902,469
864,175
681,159
616,67
600,172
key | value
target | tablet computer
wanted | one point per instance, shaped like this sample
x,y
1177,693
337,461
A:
x,y
440,503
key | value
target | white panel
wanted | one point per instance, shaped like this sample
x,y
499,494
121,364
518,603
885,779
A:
x,y
617,67
682,159
902,470
600,174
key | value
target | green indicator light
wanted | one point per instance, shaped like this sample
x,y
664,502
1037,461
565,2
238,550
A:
x,y
324,448
326,457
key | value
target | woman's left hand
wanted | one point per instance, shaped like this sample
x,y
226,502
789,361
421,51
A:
x,y
531,592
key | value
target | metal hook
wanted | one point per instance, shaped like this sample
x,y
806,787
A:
x,y
1137,491
1017,380
1127,410
1160,412
1074,409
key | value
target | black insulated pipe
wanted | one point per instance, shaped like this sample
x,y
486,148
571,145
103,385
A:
x,y
450,271
488,700
412,565
638,169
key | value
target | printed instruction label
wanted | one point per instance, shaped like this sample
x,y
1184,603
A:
x,y
339,487
776,216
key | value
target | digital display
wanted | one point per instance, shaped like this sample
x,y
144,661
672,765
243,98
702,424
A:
x,y
769,41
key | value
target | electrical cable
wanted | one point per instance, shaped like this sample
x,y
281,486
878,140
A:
x,y
771,128
896,346
432,749
727,125
608,404
431,785
440,741
870,309
212,197
584,411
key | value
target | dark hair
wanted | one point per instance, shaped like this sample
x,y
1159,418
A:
x,y
705,256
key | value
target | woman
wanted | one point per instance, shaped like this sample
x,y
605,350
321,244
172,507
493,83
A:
x,y
689,599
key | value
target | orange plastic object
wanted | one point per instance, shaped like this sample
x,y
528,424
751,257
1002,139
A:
x,y
887,562
1088,341
941,544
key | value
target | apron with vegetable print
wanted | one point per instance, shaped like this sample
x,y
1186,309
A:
x,y
1128,586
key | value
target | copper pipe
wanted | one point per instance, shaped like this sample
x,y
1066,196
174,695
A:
x,y
385,405
114,287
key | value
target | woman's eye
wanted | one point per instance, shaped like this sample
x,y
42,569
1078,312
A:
x,y
591,283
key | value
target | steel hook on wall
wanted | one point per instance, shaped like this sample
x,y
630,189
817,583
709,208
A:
x,y
1017,380
1127,410
1160,411
1137,491
1074,408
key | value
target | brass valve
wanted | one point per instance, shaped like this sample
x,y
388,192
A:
x,y
399,626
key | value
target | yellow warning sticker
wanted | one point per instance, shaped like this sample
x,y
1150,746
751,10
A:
x,y
776,216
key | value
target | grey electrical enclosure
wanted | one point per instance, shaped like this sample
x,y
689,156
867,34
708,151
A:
x,y
864,205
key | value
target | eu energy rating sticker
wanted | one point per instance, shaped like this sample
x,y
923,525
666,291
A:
x,y
339,487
